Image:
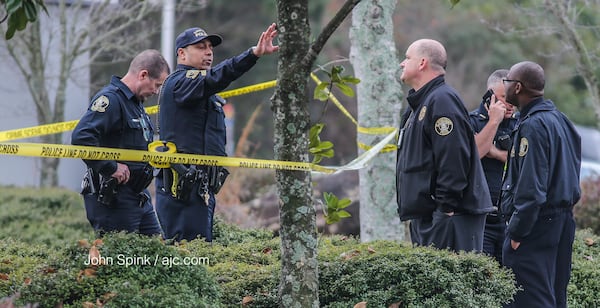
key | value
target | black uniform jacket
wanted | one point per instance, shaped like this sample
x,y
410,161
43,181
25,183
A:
x,y
114,119
438,165
543,167
191,114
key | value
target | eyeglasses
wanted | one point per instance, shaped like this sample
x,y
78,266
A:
x,y
511,80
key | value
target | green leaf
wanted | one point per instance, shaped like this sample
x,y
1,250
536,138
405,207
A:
x,y
454,2
343,214
350,79
30,11
13,5
321,93
329,198
345,89
344,203
327,153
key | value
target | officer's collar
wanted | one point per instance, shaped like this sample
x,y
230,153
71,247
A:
x,y
116,81
415,98
538,104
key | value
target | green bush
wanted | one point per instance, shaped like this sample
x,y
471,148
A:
x,y
42,261
54,217
138,272
587,210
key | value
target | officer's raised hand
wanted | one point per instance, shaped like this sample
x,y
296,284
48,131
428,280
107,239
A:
x,y
265,42
496,110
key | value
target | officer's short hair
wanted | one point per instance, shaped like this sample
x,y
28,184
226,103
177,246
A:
x,y
496,77
150,60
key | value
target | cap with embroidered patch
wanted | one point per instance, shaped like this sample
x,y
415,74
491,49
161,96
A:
x,y
194,35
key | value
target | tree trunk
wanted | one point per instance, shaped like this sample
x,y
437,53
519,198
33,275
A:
x,y
297,214
374,58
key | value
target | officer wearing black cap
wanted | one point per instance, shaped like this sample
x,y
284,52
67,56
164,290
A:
x,y
539,191
114,191
191,117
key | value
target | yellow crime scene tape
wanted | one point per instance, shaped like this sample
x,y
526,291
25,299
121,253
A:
x,y
163,159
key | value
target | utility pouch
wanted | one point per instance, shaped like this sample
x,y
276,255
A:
x,y
108,191
216,178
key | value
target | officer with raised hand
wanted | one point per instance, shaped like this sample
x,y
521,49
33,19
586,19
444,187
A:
x,y
191,117
114,191
493,123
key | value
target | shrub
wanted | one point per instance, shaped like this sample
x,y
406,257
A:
x,y
53,217
137,273
587,210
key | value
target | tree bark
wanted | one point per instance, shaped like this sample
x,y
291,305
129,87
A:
x,y
379,93
299,285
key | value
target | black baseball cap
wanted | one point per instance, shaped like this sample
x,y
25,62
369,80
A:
x,y
194,35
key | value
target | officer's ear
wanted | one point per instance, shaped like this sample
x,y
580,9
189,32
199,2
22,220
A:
x,y
143,74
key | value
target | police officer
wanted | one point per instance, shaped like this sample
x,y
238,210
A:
x,y
191,116
115,192
493,122
539,191
440,181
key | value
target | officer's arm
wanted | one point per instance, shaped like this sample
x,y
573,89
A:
x,y
197,86
452,158
96,125
485,138
531,190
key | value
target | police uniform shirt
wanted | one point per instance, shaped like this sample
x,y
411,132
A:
x,y
492,168
114,119
543,169
191,114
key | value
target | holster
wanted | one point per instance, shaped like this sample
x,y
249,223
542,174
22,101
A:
x,y
108,191
184,179
90,182
140,178
216,178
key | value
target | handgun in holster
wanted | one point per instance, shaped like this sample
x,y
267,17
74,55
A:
x,y
216,178
89,183
185,180
108,191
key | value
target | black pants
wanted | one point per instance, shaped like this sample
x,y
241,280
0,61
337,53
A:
x,y
493,238
125,215
542,263
184,220
457,232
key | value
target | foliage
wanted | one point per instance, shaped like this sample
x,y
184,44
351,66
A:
x,y
19,13
334,208
53,217
584,285
587,211
138,271
318,148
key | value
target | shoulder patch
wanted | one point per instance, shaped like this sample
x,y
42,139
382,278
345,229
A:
x,y
192,74
100,104
422,113
523,147
443,126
